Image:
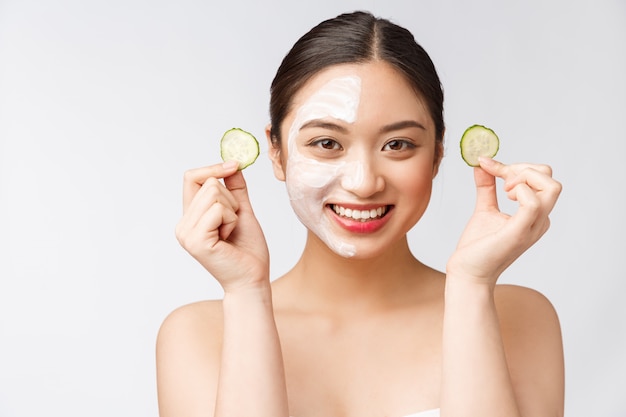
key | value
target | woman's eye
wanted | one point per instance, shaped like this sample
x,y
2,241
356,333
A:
x,y
398,145
329,144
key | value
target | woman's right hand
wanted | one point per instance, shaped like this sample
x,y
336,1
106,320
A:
x,y
219,229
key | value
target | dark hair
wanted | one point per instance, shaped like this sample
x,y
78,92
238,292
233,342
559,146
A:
x,y
357,37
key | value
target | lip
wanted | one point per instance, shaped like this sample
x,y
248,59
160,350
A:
x,y
360,226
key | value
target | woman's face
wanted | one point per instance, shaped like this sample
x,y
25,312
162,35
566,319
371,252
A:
x,y
358,157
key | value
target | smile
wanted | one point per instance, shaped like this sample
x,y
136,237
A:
x,y
361,215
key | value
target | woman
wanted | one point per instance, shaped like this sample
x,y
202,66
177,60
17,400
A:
x,y
360,327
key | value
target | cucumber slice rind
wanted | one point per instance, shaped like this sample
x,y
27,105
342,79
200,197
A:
x,y
239,145
478,140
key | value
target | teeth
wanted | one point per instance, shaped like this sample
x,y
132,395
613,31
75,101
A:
x,y
362,215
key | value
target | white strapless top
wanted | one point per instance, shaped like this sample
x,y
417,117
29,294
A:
x,y
427,413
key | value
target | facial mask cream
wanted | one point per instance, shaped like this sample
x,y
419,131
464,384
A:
x,y
309,181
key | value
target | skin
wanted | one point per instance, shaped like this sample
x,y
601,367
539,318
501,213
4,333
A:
x,y
310,180
359,154
378,333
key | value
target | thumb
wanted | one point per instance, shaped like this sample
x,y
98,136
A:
x,y
236,184
486,198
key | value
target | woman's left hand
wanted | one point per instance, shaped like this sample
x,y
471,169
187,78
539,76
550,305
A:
x,y
492,240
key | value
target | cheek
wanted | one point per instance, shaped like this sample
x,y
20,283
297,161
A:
x,y
308,182
415,182
306,175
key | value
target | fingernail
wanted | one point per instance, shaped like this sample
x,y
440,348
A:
x,y
483,160
229,165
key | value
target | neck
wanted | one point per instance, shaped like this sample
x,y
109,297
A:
x,y
325,280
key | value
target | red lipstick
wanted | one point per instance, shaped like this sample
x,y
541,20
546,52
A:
x,y
369,225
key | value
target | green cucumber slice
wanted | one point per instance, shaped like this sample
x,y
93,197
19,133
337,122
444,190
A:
x,y
239,145
478,140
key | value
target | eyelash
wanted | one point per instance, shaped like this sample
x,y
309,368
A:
x,y
406,145
321,142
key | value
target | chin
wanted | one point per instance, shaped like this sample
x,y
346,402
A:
x,y
358,252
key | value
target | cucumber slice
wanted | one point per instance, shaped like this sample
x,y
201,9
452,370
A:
x,y
239,145
478,140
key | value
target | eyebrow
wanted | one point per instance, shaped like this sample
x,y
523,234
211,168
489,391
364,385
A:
x,y
324,124
404,124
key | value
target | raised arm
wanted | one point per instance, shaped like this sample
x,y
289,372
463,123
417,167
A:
x,y
502,353
207,366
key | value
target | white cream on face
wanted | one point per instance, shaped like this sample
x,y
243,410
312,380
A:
x,y
310,181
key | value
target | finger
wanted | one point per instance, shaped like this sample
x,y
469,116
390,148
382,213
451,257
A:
x,y
516,169
529,205
546,188
218,217
495,168
212,192
531,216
504,171
486,197
195,178
540,174
215,224
537,176
236,184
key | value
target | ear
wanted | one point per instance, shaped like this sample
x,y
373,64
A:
x,y
275,154
438,158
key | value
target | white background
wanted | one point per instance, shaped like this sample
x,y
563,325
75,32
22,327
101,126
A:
x,y
104,105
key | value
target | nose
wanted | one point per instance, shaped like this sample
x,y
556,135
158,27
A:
x,y
362,178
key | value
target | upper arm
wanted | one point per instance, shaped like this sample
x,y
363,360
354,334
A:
x,y
531,335
187,354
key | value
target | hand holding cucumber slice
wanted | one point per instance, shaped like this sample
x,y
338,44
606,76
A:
x,y
478,140
239,145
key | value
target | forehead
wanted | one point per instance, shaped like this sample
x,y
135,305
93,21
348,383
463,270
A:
x,y
321,79
384,91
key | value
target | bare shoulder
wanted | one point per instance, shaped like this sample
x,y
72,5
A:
x,y
189,328
188,353
531,334
198,318
528,319
518,305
